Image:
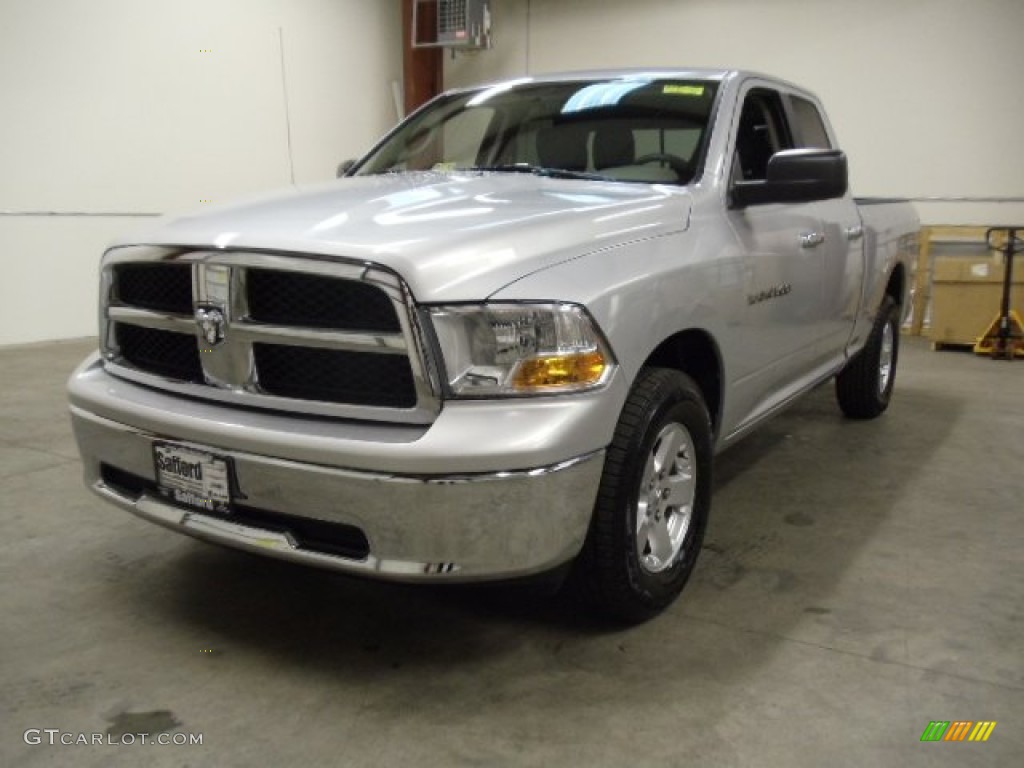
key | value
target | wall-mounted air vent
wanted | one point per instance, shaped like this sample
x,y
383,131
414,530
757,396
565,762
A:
x,y
458,24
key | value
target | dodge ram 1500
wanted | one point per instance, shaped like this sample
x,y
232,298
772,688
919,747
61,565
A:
x,y
509,339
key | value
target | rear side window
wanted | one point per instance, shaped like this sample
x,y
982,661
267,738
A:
x,y
809,125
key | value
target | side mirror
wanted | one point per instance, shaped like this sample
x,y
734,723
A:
x,y
345,167
796,176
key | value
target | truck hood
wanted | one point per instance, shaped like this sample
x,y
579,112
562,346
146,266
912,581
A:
x,y
451,236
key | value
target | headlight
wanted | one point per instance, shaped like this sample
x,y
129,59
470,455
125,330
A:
x,y
520,349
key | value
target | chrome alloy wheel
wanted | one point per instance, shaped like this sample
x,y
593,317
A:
x,y
664,507
885,357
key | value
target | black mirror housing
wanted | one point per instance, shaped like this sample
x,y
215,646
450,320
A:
x,y
797,176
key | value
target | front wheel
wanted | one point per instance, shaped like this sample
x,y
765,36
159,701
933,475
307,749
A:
x,y
864,386
652,506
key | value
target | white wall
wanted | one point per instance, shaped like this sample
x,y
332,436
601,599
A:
x,y
925,95
155,106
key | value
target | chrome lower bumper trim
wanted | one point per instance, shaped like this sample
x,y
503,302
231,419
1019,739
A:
x,y
434,528
261,541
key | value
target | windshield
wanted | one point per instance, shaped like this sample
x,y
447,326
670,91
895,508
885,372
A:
x,y
630,129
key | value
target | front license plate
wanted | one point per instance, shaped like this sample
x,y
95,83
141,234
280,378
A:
x,y
194,478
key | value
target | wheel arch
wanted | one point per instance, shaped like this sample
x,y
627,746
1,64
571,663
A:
x,y
695,353
897,285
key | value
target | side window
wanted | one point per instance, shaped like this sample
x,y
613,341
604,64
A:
x,y
762,132
809,125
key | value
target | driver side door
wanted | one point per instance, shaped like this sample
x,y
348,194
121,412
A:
x,y
778,245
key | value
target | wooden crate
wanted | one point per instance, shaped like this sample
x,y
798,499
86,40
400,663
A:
x,y
965,295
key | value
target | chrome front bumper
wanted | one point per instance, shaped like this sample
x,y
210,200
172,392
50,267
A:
x,y
473,526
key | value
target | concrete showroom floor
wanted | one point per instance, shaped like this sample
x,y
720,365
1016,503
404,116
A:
x,y
858,581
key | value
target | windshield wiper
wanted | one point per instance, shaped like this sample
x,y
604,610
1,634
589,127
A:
x,y
539,170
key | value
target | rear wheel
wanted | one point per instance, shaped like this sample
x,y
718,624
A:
x,y
864,386
653,502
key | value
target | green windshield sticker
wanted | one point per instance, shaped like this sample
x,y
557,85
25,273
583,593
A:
x,y
684,90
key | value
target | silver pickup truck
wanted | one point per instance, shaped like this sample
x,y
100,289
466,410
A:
x,y
508,342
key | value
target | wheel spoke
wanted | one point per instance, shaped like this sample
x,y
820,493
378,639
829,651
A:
x,y
650,473
678,523
681,487
661,541
666,450
643,532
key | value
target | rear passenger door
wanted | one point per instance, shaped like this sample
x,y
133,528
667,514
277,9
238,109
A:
x,y
780,324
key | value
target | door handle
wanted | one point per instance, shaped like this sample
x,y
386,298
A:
x,y
854,233
811,239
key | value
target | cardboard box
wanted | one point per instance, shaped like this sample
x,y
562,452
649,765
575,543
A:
x,y
966,292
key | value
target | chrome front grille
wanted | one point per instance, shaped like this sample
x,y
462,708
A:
x,y
299,333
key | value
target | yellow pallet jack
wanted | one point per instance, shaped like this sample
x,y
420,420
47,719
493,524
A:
x,y
1004,338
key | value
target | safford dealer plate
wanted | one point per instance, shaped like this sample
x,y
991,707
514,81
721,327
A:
x,y
191,477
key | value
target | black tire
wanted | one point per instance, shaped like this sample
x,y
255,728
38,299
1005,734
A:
x,y
864,387
620,579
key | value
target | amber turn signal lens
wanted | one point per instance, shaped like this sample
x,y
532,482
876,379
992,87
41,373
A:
x,y
560,371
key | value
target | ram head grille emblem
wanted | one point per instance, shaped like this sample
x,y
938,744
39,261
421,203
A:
x,y
211,324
